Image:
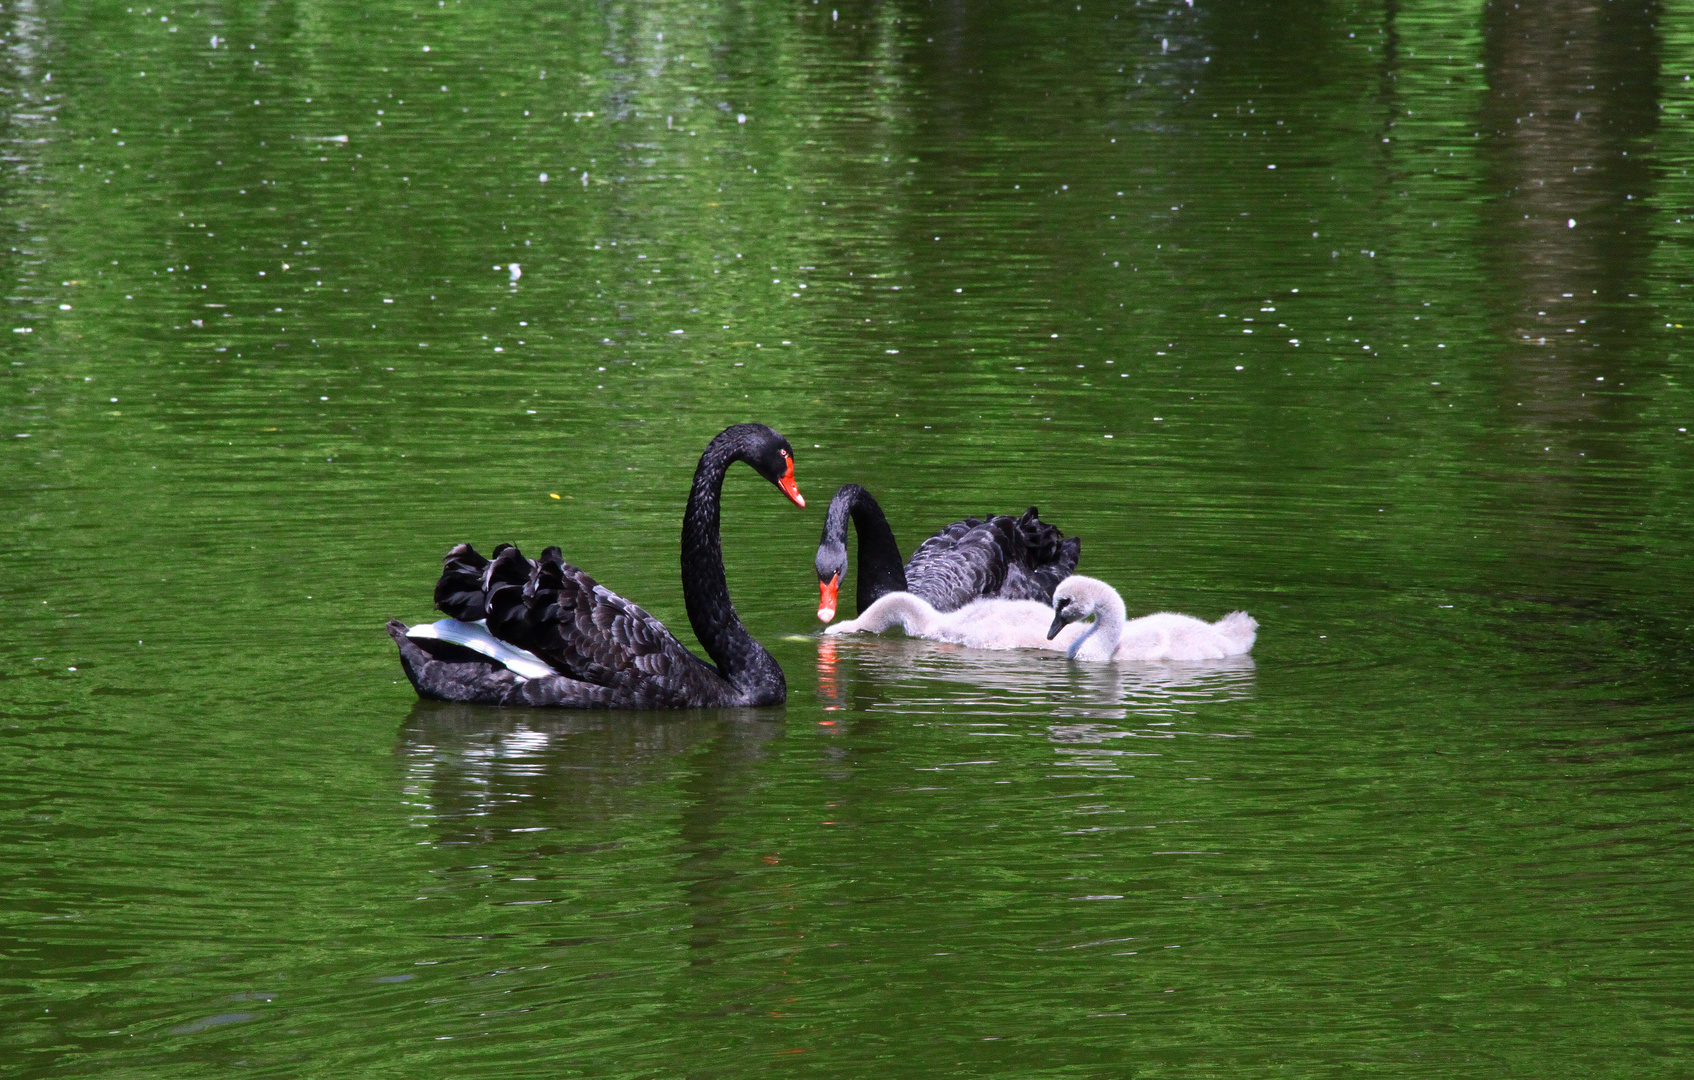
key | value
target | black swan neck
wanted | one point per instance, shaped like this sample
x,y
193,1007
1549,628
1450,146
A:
x,y
881,569
740,659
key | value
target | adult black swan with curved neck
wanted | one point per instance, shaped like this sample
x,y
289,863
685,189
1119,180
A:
x,y
1021,558
543,633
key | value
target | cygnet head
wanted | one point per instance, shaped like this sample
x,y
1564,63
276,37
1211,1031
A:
x,y
1076,598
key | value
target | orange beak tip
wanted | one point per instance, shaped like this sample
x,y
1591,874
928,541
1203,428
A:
x,y
790,488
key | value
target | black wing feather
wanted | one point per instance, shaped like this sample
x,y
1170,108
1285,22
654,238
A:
x,y
1021,558
590,634
964,561
459,591
1043,559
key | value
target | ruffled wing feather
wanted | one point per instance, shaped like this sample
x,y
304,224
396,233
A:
x,y
963,562
591,634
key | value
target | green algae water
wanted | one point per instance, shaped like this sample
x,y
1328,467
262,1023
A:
x,y
1370,318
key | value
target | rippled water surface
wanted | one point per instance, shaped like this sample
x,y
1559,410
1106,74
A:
x,y
1368,318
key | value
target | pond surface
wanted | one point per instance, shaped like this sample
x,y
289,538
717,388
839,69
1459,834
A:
x,y
1367,318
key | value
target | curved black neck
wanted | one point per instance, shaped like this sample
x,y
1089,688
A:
x,y
881,569
740,659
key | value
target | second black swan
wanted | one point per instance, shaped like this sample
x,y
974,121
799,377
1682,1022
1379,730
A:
x,y
1012,558
544,633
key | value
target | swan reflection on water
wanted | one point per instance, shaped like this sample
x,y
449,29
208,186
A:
x,y
914,675
476,772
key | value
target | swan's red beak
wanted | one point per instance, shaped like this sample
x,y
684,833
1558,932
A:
x,y
826,597
789,487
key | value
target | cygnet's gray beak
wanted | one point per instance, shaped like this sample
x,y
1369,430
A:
x,y
1059,623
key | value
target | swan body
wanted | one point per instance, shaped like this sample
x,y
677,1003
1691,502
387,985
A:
x,y
1014,558
980,624
1018,624
594,648
1164,635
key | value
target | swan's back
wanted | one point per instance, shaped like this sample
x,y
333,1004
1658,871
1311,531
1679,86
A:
x,y
1000,557
998,624
1167,635
981,624
961,562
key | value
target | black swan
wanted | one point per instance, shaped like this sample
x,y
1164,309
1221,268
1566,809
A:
x,y
1020,558
552,637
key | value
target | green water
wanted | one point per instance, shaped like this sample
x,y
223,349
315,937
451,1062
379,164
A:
x,y
1416,397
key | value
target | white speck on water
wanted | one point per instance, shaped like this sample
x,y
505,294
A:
x,y
891,350
64,307
543,178
1571,223
1238,367
515,270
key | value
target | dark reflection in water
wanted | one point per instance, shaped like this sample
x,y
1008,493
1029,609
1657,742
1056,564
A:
x,y
485,772
1567,131
486,775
